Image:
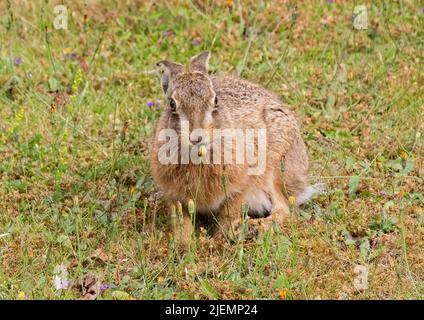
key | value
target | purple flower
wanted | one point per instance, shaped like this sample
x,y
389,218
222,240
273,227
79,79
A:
x,y
166,33
149,104
196,41
104,287
72,56
330,1
18,61
156,103
422,10
382,194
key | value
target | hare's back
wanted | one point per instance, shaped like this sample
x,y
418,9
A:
x,y
247,99
240,92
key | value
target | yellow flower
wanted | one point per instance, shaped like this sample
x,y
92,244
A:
x,y
283,293
404,155
21,295
67,50
77,81
401,193
292,200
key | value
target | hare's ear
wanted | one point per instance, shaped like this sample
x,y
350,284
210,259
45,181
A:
x,y
170,71
200,62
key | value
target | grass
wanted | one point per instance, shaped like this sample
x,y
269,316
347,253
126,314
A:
x,y
76,191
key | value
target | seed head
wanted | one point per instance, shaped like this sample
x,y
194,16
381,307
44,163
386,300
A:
x,y
202,151
191,206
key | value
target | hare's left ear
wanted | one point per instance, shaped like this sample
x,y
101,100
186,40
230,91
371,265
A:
x,y
200,62
170,71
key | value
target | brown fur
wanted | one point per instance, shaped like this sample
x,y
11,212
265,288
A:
x,y
241,104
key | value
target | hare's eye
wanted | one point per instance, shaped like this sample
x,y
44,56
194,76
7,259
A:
x,y
172,105
216,102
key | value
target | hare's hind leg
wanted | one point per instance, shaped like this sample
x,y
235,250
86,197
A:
x,y
280,211
295,163
280,205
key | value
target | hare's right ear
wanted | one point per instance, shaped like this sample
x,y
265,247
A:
x,y
200,62
170,71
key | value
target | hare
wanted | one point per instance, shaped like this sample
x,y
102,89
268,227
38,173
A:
x,y
214,103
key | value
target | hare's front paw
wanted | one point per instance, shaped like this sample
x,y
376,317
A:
x,y
277,218
182,232
228,230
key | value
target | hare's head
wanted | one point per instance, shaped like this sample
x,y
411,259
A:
x,y
190,95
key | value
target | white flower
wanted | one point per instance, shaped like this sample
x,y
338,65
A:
x,y
60,278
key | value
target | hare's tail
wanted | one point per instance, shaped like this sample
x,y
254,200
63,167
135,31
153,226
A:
x,y
309,192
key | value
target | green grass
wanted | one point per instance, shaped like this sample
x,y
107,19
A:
x,y
74,169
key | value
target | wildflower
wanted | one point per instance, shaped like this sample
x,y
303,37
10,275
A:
x,y
18,61
60,277
19,116
166,33
401,193
191,206
67,52
179,207
422,10
149,104
180,213
60,284
196,41
382,194
330,1
202,151
283,293
104,287
77,81
21,295
292,200
174,217
403,155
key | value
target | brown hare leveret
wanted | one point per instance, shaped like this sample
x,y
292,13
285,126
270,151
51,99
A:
x,y
220,187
